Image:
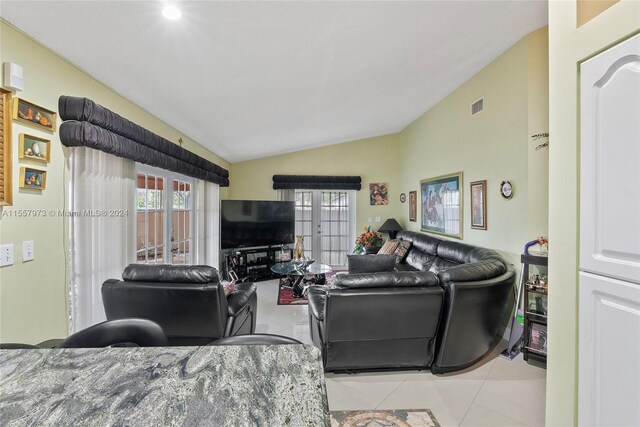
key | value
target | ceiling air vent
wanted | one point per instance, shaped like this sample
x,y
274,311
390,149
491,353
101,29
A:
x,y
477,106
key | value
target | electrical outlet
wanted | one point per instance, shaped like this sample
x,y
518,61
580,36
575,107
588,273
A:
x,y
6,255
370,220
27,251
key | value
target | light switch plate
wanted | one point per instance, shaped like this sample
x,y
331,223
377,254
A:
x,y
27,251
6,255
378,219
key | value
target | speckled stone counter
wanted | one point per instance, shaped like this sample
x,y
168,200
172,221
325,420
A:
x,y
169,386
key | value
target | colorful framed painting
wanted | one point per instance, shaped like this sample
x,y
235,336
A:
x,y
27,112
441,203
413,206
378,194
479,205
34,179
34,148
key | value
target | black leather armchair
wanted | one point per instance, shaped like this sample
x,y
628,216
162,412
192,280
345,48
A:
x,y
376,320
187,301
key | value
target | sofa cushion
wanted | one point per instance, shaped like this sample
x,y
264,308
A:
x,y
389,247
403,250
404,267
170,273
419,260
387,280
371,263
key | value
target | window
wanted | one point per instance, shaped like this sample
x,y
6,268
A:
x,y
164,217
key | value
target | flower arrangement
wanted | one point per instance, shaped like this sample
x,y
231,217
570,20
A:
x,y
367,239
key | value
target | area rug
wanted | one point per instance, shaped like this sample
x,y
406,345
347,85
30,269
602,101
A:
x,y
285,294
391,418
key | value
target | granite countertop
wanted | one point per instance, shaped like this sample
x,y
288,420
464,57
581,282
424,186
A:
x,y
279,385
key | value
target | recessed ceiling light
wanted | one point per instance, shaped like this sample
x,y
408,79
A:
x,y
171,12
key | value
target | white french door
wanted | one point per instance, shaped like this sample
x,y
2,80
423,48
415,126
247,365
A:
x,y
164,217
326,219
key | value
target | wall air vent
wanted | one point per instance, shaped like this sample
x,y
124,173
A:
x,y
477,106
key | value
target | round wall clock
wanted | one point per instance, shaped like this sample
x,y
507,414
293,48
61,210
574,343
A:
x,y
506,189
403,198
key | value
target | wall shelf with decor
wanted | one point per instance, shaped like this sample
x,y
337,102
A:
x,y
536,291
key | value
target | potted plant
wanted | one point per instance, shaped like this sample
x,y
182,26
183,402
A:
x,y
368,242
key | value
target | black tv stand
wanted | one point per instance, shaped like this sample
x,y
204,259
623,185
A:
x,y
254,265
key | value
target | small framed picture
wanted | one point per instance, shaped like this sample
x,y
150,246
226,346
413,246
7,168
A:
x,y
26,112
34,148
378,194
34,179
479,205
413,206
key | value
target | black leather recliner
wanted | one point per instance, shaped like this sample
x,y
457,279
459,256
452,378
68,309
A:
x,y
187,301
376,321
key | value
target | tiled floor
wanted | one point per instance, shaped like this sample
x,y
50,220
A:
x,y
497,393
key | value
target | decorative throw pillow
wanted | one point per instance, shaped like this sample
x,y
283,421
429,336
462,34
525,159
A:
x,y
371,263
389,247
403,250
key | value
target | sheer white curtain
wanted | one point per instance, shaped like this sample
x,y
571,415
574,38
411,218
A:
x,y
287,195
100,201
208,223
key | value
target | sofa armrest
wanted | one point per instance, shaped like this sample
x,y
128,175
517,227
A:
x,y
317,301
240,297
483,270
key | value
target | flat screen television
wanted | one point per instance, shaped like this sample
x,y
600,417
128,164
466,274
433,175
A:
x,y
251,223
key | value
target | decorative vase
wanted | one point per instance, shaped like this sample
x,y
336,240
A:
x,y
371,249
298,250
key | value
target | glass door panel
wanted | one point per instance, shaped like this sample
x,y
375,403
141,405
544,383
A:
x,y
324,218
150,219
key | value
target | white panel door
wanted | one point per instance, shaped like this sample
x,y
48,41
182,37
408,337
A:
x,y
610,162
609,368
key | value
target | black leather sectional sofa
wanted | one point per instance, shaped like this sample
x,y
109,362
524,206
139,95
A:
x,y
444,308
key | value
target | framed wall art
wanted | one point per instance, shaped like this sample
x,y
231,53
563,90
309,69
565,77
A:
x,y
479,205
27,112
413,206
6,193
441,203
378,194
34,179
34,148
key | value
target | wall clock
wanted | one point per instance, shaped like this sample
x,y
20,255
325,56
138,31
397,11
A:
x,y
403,198
506,189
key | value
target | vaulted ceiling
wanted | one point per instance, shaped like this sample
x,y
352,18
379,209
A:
x,y
253,79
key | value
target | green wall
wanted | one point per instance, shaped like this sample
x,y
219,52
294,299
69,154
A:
x,y
494,145
33,295
374,159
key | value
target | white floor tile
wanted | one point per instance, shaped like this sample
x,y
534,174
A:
x,y
344,398
479,416
515,389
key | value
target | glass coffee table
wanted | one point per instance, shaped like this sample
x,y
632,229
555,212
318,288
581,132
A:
x,y
295,272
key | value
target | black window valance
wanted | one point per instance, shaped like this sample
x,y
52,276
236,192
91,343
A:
x,y
94,126
316,182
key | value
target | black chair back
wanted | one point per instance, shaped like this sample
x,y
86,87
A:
x,y
15,346
141,332
187,301
256,339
